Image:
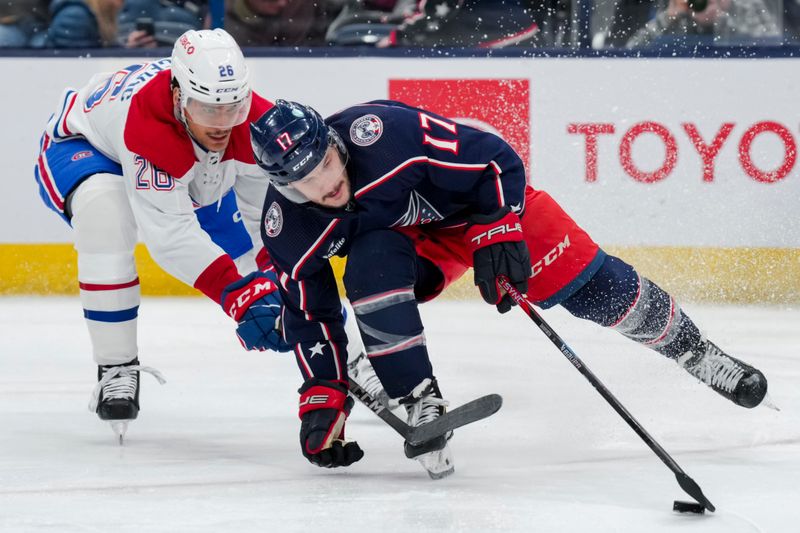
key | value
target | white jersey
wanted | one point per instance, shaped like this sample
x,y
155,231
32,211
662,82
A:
x,y
128,115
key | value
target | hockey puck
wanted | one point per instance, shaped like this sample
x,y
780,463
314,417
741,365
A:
x,y
688,507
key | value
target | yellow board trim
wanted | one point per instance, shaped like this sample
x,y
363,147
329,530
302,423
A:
x,y
735,275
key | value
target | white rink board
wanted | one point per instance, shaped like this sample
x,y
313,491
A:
x,y
682,209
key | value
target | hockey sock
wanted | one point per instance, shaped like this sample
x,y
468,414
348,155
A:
x,y
618,298
394,339
385,306
105,236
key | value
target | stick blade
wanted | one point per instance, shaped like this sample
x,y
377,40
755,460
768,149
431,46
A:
x,y
693,489
470,412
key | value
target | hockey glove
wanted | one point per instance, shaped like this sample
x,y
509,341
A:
x,y
498,249
263,260
255,303
324,407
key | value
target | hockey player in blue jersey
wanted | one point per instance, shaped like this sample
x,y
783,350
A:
x,y
413,200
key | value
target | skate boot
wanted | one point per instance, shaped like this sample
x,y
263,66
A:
x,y
361,371
115,398
735,380
423,405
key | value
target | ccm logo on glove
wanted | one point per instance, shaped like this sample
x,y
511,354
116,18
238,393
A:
x,y
241,302
255,303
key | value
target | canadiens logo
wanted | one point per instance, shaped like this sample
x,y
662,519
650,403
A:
x,y
82,155
273,221
366,130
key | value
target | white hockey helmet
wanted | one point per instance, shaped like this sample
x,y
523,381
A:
x,y
213,78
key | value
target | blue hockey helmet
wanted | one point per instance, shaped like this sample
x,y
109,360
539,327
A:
x,y
290,140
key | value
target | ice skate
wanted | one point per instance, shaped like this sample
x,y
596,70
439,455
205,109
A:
x,y
361,371
115,398
423,405
735,380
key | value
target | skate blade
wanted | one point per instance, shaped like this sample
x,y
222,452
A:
x,y
767,402
438,464
120,427
441,475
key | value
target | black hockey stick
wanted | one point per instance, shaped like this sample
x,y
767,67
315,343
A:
x,y
687,484
472,411
379,409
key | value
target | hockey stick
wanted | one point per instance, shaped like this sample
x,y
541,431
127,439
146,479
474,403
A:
x,y
687,484
472,411
379,409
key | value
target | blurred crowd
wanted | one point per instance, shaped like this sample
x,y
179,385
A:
x,y
388,23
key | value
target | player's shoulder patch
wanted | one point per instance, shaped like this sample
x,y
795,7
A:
x,y
273,220
366,130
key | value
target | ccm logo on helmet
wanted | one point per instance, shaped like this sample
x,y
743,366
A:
x,y
302,162
186,45
502,229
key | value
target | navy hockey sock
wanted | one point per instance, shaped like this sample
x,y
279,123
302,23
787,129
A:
x,y
617,297
385,306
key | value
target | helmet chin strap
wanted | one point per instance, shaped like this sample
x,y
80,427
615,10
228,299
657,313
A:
x,y
291,194
181,117
178,110
337,141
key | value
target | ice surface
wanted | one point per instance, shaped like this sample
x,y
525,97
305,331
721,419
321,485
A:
x,y
215,448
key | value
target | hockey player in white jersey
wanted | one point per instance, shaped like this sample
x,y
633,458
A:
x,y
164,147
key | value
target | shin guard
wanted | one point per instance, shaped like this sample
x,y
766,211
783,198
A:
x,y
385,307
618,298
657,321
105,237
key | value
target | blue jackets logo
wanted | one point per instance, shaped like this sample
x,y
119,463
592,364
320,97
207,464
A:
x,y
366,130
273,220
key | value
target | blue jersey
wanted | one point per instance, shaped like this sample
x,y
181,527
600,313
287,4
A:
x,y
407,167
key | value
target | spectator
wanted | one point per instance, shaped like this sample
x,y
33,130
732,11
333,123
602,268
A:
x,y
278,22
83,23
720,20
791,21
21,22
151,23
368,21
615,21
482,23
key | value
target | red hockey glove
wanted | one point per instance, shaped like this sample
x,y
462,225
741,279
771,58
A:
x,y
324,407
498,249
255,303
